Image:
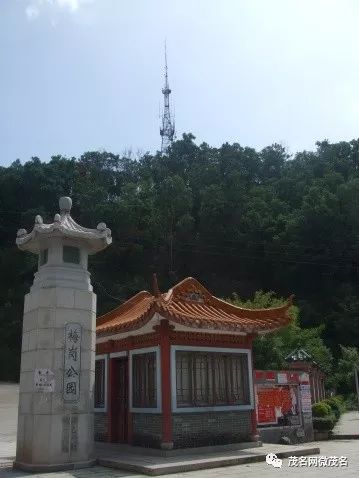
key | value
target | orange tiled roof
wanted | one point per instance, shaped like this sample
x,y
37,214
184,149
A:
x,y
190,304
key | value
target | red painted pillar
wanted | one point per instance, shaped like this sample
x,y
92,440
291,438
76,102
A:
x,y
129,414
315,384
167,442
312,385
110,375
254,430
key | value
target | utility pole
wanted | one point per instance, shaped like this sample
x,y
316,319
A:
x,y
356,382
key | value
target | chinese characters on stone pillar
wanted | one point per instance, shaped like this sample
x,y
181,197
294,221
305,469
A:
x,y
72,362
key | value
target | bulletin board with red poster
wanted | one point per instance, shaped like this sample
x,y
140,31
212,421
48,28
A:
x,y
277,397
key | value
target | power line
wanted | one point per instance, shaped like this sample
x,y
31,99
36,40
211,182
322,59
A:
x,y
261,258
107,293
230,252
265,251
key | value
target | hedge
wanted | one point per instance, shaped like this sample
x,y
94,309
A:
x,y
324,424
321,409
336,405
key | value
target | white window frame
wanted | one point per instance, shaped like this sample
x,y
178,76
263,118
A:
x,y
215,408
102,357
158,408
118,354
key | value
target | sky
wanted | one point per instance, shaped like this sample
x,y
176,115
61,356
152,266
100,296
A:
x,y
81,75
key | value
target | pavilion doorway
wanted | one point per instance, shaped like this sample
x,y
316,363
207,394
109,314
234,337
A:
x,y
120,400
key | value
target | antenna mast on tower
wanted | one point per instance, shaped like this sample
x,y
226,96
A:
x,y
167,130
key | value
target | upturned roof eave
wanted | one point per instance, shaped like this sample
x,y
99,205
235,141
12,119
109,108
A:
x,y
197,324
193,314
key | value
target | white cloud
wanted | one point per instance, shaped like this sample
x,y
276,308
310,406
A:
x,y
72,5
32,12
35,7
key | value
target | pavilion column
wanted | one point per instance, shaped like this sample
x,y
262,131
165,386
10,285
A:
x,y
167,442
254,431
319,393
312,385
315,381
323,387
110,391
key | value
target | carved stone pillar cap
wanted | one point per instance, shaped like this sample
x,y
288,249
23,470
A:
x,y
65,204
64,226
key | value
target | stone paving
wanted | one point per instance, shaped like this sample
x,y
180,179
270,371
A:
x,y
348,448
348,424
9,397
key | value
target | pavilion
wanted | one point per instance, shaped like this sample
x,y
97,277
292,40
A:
x,y
174,369
300,359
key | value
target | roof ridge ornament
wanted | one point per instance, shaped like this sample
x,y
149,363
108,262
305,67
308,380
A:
x,y
290,300
155,289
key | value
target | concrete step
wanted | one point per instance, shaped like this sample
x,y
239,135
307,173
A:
x,y
157,465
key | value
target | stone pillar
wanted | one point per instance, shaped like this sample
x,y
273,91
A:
x,y
55,420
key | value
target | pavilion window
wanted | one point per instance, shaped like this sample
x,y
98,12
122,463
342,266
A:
x,y
211,379
44,253
144,380
100,383
71,254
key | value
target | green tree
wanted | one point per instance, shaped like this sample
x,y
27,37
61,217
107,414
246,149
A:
x,y
270,350
343,376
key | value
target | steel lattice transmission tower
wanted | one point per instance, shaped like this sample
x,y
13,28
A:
x,y
167,130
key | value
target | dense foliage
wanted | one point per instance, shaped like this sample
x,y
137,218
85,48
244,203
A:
x,y
270,350
238,219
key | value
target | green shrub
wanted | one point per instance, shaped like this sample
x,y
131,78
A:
x,y
351,402
321,409
324,424
339,398
336,405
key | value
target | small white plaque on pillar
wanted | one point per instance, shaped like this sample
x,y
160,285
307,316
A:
x,y
72,362
282,378
44,380
306,398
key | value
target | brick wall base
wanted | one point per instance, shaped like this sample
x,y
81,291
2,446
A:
x,y
210,428
189,429
147,429
101,426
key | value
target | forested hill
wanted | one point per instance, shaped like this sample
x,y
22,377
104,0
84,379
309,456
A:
x,y
237,219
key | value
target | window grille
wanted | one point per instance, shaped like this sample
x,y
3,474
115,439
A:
x,y
144,380
211,379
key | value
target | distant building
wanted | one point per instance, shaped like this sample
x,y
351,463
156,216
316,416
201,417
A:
x,y
299,359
